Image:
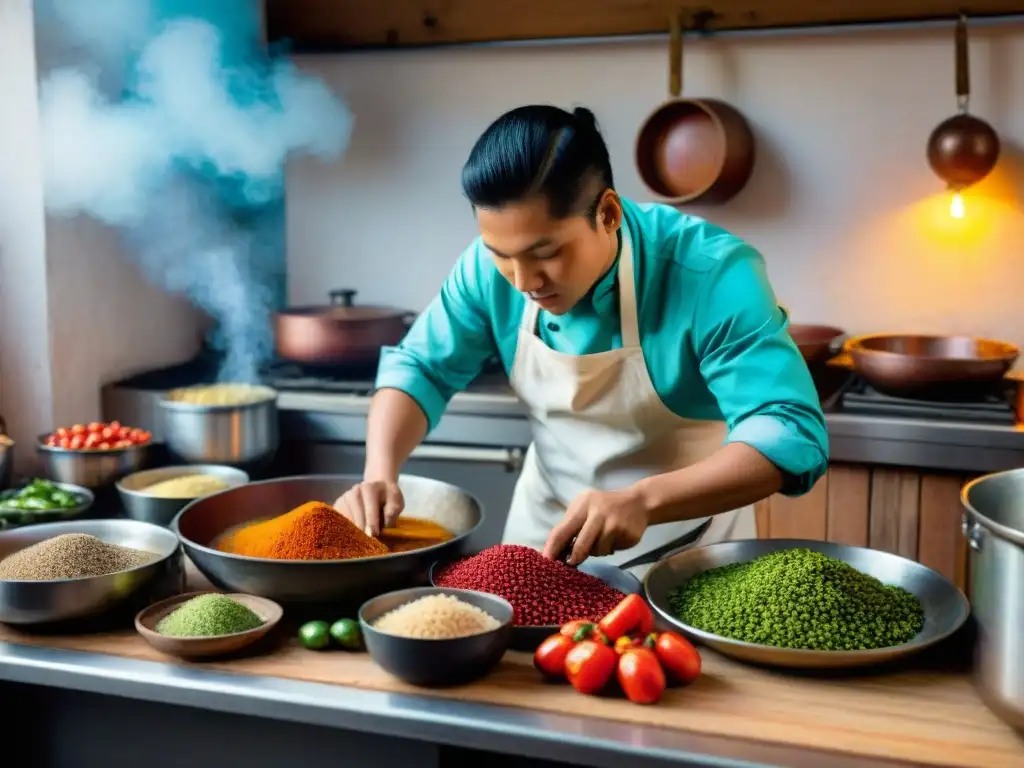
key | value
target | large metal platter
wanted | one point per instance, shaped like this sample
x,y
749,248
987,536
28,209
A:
x,y
945,607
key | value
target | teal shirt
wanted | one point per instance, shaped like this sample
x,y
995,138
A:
x,y
715,340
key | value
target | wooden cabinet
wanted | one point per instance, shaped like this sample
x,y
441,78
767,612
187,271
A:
x,y
913,514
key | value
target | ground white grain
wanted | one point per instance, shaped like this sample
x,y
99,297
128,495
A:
x,y
436,617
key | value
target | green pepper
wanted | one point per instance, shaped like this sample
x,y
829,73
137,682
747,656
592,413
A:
x,y
63,499
36,502
14,503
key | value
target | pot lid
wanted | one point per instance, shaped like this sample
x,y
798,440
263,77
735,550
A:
x,y
343,307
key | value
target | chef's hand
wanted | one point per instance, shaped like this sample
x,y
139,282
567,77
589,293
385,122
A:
x,y
373,505
602,522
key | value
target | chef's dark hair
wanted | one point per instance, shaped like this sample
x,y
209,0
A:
x,y
540,150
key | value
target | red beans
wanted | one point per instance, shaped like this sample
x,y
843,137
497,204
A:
x,y
542,591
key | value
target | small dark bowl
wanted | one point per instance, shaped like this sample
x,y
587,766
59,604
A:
x,y
527,638
437,663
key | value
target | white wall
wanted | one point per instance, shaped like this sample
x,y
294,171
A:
x,y
74,313
839,202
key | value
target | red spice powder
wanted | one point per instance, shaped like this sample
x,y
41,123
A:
x,y
543,592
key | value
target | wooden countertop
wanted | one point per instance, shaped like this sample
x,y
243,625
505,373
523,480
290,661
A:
x,y
926,715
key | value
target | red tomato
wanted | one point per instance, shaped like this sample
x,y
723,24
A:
x,y
76,443
589,666
114,425
632,614
51,441
95,426
123,444
78,429
107,433
640,675
104,446
124,432
550,655
63,432
92,440
678,656
65,442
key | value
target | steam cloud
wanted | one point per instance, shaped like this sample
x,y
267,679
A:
x,y
186,147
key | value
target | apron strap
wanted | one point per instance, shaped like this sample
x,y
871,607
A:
x,y
628,319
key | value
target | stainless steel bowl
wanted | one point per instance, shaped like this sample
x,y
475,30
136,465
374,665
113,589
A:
x,y
139,505
437,663
42,602
93,468
308,581
12,518
994,527
237,435
945,607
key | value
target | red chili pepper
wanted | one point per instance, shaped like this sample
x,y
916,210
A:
x,y
678,656
641,676
550,655
630,615
589,666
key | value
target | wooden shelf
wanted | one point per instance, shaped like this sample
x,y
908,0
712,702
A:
x,y
353,24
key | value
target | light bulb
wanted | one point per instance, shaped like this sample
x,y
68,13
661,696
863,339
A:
x,y
956,206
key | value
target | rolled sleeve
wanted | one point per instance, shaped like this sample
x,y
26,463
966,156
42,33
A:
x,y
756,372
448,344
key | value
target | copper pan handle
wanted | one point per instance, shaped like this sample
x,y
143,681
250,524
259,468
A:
x,y
675,55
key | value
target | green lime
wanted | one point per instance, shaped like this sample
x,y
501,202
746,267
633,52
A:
x,y
315,635
346,634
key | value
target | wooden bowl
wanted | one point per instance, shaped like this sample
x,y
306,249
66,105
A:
x,y
205,647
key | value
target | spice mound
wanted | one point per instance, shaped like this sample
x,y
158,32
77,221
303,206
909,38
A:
x,y
797,598
409,533
436,617
313,531
209,616
70,556
543,592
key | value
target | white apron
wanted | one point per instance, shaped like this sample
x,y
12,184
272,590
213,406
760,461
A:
x,y
598,423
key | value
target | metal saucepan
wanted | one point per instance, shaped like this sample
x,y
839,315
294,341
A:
x,y
993,524
340,333
693,150
202,522
901,364
817,343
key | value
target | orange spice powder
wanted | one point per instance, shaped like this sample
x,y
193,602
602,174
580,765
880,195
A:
x,y
313,531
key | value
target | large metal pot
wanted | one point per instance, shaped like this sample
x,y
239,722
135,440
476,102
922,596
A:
x,y
244,436
994,527
341,333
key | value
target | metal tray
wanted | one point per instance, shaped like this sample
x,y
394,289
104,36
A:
x,y
945,607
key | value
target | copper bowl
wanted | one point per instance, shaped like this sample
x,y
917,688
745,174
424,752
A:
x,y
900,364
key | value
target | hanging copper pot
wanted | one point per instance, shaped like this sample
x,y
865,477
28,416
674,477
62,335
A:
x,y
963,149
693,150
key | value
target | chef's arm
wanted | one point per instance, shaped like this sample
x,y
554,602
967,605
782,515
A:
x,y
444,350
778,439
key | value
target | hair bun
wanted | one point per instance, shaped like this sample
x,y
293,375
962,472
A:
x,y
584,118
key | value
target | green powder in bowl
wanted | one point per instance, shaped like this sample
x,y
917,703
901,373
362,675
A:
x,y
798,598
208,616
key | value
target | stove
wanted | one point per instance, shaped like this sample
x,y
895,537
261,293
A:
x,y
984,405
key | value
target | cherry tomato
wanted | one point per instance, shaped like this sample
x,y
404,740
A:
x,y
104,446
632,614
589,666
94,426
124,433
63,432
640,676
678,656
78,429
65,442
107,433
549,658
123,444
114,425
51,441
76,443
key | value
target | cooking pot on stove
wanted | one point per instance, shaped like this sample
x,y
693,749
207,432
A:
x,y
341,333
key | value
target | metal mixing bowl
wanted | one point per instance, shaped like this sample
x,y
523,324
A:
x,y
245,435
945,607
12,518
430,662
139,505
41,602
92,468
308,581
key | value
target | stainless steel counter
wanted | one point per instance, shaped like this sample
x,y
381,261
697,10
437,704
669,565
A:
x,y
496,419
420,719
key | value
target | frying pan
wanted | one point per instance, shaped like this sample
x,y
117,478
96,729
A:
x,y
901,364
816,342
693,150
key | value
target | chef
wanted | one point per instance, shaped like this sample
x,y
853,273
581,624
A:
x,y
663,388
